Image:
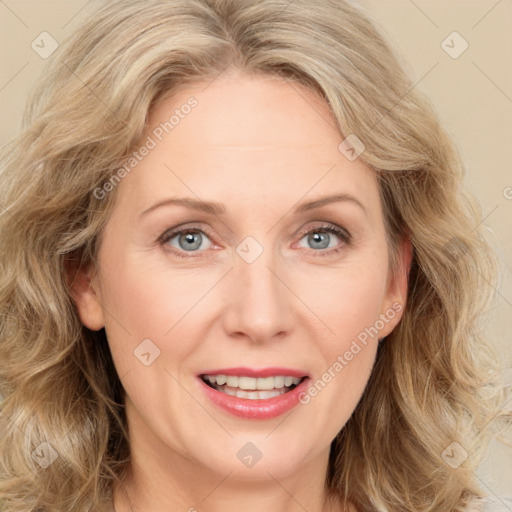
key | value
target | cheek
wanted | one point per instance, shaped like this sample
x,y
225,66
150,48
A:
x,y
347,300
350,308
153,301
349,304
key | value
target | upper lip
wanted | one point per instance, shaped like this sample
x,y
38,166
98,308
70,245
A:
x,y
256,372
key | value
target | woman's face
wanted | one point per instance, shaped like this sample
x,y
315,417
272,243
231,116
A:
x,y
281,271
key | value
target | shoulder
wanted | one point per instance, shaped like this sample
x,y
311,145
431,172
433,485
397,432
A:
x,y
491,504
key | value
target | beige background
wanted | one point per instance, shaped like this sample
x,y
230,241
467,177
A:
x,y
473,95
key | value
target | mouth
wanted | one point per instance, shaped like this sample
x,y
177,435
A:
x,y
252,388
254,394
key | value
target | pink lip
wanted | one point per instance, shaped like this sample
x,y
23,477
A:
x,y
255,409
250,372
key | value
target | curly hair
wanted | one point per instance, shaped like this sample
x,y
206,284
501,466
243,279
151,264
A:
x,y
435,379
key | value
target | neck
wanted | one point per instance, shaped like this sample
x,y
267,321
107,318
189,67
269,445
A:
x,y
184,485
225,496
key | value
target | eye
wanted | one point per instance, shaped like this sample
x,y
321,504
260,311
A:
x,y
185,239
323,239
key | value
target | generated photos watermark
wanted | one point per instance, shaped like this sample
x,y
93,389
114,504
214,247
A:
x,y
144,150
344,359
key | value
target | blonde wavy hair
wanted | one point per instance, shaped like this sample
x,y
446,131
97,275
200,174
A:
x,y
435,379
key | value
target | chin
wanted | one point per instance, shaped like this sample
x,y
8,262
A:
x,y
261,456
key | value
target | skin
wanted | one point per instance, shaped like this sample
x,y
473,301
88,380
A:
x,y
259,146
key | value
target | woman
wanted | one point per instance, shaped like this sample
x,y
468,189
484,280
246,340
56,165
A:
x,y
238,272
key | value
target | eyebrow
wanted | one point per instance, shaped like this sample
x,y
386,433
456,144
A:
x,y
219,209
318,203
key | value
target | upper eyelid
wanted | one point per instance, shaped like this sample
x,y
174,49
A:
x,y
326,226
185,227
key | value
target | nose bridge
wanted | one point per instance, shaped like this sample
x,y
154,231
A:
x,y
259,306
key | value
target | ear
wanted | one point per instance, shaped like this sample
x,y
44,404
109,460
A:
x,y
82,283
396,292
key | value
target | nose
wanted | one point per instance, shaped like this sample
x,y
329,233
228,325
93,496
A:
x,y
259,303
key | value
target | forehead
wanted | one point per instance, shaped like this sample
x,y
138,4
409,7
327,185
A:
x,y
250,110
256,136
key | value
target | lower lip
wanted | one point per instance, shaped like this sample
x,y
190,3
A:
x,y
255,409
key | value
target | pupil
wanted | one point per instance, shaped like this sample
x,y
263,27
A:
x,y
321,238
189,237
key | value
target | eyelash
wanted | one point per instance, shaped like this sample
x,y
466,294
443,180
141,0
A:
x,y
328,228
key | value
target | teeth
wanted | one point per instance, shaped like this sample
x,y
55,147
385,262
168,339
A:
x,y
253,384
267,383
288,381
228,391
251,395
229,380
279,381
269,394
246,382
